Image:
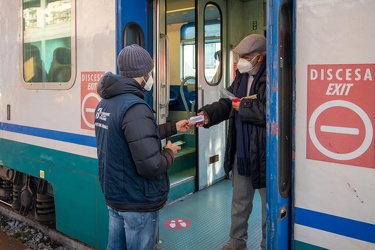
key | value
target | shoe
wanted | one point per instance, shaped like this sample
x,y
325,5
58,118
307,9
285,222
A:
x,y
230,246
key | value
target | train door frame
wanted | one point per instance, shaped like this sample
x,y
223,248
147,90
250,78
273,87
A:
x,y
280,122
211,146
161,48
134,25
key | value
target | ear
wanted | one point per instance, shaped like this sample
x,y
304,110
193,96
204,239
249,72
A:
x,y
139,79
261,57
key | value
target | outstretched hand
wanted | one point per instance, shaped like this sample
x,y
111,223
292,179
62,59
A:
x,y
183,126
204,122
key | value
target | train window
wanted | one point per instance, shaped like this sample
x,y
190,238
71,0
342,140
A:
x,y
212,47
212,44
133,34
47,44
187,50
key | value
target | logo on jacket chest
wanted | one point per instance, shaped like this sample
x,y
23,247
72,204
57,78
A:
x,y
102,115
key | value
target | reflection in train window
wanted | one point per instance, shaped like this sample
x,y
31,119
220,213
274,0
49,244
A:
x,y
212,41
188,50
133,34
212,50
47,39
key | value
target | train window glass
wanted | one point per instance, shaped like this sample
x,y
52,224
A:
x,y
47,44
187,50
212,47
212,44
133,34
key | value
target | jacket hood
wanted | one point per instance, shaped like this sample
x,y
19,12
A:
x,y
111,85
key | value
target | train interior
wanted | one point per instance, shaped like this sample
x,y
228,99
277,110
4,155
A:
x,y
180,29
181,227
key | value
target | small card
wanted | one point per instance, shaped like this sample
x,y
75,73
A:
x,y
195,119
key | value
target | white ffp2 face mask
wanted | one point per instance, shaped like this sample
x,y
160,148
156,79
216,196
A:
x,y
149,83
244,66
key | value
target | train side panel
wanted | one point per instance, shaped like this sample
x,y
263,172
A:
x,y
335,119
47,133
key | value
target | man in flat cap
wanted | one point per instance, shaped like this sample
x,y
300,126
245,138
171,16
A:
x,y
245,153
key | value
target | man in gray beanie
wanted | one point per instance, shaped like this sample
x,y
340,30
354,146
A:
x,y
245,153
134,61
132,163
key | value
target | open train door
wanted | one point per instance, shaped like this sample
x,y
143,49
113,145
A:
x,y
211,47
280,124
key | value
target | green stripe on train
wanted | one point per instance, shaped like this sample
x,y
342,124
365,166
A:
x,y
80,207
299,245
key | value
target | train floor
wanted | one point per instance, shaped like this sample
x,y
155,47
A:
x,y
202,220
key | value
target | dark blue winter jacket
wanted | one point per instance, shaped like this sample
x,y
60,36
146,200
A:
x,y
132,164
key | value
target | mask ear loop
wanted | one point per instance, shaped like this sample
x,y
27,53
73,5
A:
x,y
254,58
143,84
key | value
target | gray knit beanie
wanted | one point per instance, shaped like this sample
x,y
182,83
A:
x,y
134,61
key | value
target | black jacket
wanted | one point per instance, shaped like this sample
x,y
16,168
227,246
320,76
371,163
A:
x,y
132,164
252,111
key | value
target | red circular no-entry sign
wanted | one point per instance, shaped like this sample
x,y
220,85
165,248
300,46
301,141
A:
x,y
89,103
340,130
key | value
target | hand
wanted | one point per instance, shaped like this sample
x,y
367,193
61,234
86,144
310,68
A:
x,y
183,126
236,104
205,121
172,147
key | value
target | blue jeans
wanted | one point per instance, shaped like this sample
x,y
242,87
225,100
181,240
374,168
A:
x,y
132,230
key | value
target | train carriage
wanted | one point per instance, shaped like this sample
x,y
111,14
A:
x,y
320,113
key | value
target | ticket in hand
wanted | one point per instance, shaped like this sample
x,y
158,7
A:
x,y
178,143
195,119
